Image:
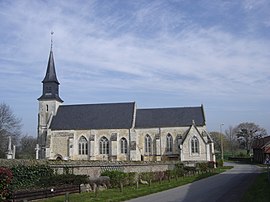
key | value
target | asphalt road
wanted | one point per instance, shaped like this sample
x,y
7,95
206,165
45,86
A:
x,y
228,186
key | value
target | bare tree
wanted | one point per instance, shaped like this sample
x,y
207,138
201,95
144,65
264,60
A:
x,y
232,139
216,139
216,136
10,125
27,147
247,132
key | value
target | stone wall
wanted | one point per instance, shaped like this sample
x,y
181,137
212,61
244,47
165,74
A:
x,y
93,168
96,169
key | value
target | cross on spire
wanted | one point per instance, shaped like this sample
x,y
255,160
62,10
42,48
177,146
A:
x,y
52,39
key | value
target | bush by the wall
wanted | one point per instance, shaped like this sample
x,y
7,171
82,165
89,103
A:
x,y
66,179
211,164
131,178
116,177
28,176
5,181
190,170
202,166
158,176
179,169
219,163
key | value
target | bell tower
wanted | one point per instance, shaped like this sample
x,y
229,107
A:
x,y
49,102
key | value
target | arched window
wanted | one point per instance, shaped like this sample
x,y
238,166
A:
x,y
148,144
169,143
194,145
83,146
104,145
123,145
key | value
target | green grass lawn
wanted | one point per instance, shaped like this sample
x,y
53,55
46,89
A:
x,y
132,191
259,190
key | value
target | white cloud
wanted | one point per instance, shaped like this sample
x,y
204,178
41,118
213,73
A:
x,y
149,48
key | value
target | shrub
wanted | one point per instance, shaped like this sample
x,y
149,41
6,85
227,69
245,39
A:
x,y
179,169
29,176
131,178
211,164
241,154
189,170
203,166
219,163
5,181
116,177
166,174
66,179
158,176
147,176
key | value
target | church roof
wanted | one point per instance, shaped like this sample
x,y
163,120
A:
x,y
169,117
94,116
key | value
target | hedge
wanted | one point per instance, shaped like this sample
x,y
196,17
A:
x,y
5,182
28,176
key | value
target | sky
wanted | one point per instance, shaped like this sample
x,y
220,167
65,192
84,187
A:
x,y
159,53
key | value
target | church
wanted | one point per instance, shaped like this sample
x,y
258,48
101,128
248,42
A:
x,y
118,131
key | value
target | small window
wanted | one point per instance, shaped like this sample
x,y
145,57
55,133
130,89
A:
x,y
123,145
169,143
148,144
83,146
194,145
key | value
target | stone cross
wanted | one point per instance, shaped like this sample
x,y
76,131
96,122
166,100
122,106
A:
x,y
9,152
37,151
14,152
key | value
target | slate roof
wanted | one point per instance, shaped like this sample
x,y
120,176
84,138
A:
x,y
120,116
94,116
50,82
50,73
169,117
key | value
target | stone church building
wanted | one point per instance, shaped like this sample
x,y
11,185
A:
x,y
118,131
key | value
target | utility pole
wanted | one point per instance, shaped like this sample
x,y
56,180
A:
x,y
221,142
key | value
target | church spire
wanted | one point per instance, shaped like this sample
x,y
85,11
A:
x,y
51,73
50,81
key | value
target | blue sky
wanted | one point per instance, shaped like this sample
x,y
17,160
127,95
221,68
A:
x,y
165,53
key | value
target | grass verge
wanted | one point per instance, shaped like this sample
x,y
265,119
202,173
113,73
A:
x,y
113,195
259,191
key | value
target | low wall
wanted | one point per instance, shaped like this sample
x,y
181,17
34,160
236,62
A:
x,y
93,168
96,170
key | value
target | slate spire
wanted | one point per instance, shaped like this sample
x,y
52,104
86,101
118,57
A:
x,y
50,73
50,81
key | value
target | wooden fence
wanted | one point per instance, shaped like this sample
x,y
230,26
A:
x,y
44,193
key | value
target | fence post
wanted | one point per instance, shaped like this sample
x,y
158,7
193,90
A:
x,y
268,173
121,187
96,191
67,197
